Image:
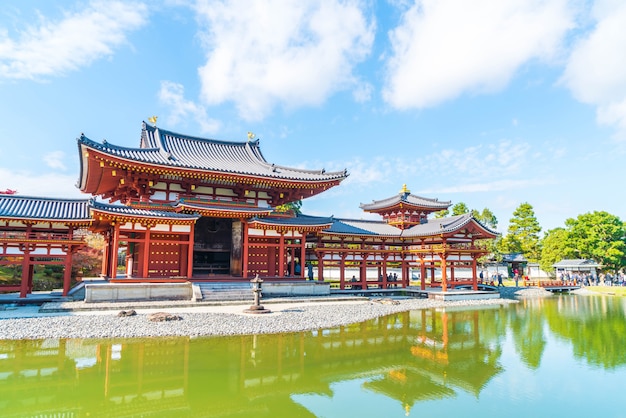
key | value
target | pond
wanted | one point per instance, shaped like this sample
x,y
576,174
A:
x,y
565,356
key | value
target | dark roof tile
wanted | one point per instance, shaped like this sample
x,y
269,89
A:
x,y
165,148
44,208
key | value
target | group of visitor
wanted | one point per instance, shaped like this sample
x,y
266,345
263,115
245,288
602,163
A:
x,y
495,278
591,279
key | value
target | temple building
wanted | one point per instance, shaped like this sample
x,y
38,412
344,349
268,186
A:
x,y
182,207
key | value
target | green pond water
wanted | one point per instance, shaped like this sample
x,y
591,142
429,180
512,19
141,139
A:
x,y
563,357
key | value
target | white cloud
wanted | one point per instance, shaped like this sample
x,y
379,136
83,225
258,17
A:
x,y
173,95
363,92
261,54
444,48
51,48
28,183
491,186
55,160
595,69
363,173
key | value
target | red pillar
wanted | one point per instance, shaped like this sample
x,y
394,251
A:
x,y
106,255
405,273
244,249
320,266
474,279
342,271
190,251
302,254
385,258
67,271
25,272
115,241
444,272
145,256
281,255
422,274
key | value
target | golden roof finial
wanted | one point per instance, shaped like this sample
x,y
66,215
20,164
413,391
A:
x,y
250,136
404,189
153,119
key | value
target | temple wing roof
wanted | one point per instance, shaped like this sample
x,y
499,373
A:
x,y
129,211
445,225
44,208
432,227
363,227
164,148
298,220
222,209
407,199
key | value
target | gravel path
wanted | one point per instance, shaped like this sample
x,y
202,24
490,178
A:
x,y
285,317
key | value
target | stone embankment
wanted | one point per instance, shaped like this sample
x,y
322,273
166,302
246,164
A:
x,y
285,317
523,292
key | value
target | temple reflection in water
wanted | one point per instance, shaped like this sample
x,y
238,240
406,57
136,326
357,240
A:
x,y
407,357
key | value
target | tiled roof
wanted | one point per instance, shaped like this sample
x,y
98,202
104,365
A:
x,y
442,225
303,220
144,213
514,258
405,198
380,228
244,209
169,149
363,227
576,263
44,208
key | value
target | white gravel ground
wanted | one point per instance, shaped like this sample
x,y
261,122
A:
x,y
72,320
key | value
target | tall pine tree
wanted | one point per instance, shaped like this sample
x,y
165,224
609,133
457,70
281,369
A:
x,y
523,233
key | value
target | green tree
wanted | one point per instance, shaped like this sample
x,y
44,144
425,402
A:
x,y
459,209
442,213
599,236
523,233
486,217
554,248
295,206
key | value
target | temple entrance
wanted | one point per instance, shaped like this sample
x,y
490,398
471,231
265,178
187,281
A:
x,y
213,239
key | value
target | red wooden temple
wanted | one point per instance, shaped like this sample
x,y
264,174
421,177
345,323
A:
x,y
187,207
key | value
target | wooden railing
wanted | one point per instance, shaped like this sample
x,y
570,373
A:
x,y
9,288
550,283
36,236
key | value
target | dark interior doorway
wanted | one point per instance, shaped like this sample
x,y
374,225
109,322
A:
x,y
212,246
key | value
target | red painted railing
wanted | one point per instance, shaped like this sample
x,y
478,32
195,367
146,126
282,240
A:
x,y
36,236
550,283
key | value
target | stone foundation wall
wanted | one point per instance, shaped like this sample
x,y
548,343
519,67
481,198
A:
x,y
114,292
270,289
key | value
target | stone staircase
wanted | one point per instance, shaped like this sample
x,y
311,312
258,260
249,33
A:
x,y
219,292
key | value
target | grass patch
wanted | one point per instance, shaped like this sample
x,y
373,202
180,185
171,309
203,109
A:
x,y
608,290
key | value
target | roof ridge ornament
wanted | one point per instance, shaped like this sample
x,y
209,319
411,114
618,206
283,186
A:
x,y
251,136
153,120
405,190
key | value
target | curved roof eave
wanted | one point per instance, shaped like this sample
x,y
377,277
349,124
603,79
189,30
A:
x,y
221,157
120,210
402,198
44,209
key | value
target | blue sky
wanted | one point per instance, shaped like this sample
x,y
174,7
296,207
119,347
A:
x,y
489,102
